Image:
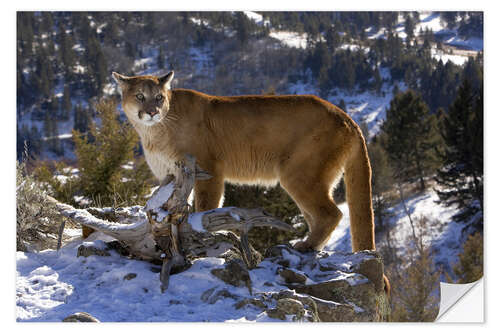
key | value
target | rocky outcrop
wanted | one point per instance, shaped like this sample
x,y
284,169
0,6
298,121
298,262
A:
x,y
320,286
81,317
289,285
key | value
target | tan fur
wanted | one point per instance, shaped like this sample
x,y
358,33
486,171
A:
x,y
303,142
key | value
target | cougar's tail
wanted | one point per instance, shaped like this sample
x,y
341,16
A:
x,y
359,197
357,179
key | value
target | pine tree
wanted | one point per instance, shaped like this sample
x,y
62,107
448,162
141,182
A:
x,y
409,28
460,178
412,137
66,103
382,175
101,154
469,267
35,139
51,133
342,105
332,39
377,83
82,119
450,18
67,54
161,58
242,28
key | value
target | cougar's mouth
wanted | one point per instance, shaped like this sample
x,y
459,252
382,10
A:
x,y
149,119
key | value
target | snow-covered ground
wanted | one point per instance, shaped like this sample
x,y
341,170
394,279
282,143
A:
x,y
290,38
52,285
457,59
257,18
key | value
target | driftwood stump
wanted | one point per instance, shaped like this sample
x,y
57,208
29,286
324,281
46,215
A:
x,y
166,228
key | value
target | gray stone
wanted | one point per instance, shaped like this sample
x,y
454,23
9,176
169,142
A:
x,y
85,251
82,317
291,276
130,276
251,301
210,297
234,273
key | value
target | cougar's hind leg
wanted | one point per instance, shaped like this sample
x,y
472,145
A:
x,y
208,193
322,214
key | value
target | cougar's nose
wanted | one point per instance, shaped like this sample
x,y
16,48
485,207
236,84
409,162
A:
x,y
153,112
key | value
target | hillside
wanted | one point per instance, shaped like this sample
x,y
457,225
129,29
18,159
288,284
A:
x,y
271,52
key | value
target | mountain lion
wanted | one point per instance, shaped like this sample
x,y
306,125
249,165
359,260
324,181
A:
x,y
301,141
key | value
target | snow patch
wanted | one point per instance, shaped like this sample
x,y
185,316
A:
x,y
195,221
290,38
456,59
257,18
158,199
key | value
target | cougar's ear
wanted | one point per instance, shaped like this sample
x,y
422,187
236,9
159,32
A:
x,y
122,80
166,79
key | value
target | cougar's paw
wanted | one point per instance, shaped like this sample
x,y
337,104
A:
x,y
303,246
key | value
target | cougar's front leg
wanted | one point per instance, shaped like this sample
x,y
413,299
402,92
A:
x,y
207,193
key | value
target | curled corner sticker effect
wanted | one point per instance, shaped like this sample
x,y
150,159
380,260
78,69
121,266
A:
x,y
461,302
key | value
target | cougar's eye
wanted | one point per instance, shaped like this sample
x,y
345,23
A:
x,y
159,97
140,97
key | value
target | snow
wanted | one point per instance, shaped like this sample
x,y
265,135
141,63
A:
x,y
51,285
432,21
429,20
354,47
290,38
143,63
160,197
65,136
39,291
78,48
454,58
235,216
61,178
473,43
79,69
195,221
100,27
257,18
198,21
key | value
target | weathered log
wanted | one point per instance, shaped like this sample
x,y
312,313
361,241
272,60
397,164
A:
x,y
166,229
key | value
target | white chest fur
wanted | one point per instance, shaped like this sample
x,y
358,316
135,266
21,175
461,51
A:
x,y
159,163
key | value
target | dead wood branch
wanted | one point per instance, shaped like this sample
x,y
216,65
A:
x,y
167,230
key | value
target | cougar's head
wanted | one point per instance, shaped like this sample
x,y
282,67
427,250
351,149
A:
x,y
144,98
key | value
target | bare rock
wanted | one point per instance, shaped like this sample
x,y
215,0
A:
x,y
292,276
300,308
130,276
342,286
211,297
81,317
85,251
257,302
234,273
373,269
